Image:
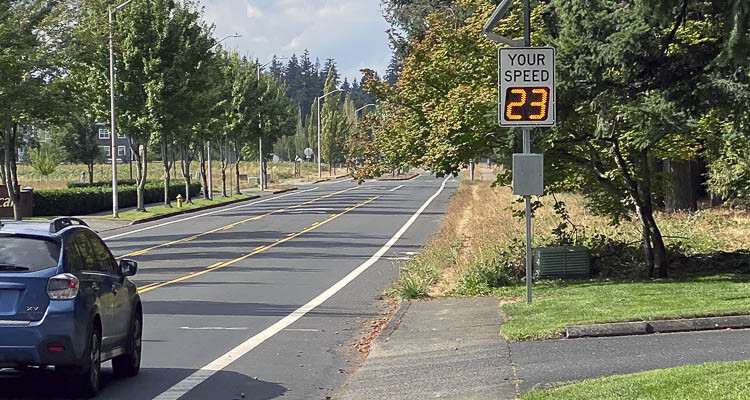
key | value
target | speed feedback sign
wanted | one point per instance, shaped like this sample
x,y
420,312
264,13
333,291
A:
x,y
527,86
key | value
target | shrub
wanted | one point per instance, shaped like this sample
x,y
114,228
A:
x,y
495,265
88,200
416,279
124,182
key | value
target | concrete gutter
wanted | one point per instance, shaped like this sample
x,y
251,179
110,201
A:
x,y
394,321
663,326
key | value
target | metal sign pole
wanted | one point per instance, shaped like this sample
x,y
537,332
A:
x,y
527,150
517,82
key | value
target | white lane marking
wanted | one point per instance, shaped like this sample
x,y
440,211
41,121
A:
x,y
205,214
198,377
301,330
214,328
396,188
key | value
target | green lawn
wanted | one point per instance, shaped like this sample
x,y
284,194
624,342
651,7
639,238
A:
x,y
557,305
161,210
709,381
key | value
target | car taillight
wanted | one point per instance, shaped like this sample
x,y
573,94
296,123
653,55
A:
x,y
62,287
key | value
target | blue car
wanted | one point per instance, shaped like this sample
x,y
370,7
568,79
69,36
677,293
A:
x,y
65,302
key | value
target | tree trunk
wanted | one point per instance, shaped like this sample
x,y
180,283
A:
x,y
167,177
224,177
142,176
202,160
237,176
646,240
10,173
186,171
237,167
91,174
265,174
681,193
657,254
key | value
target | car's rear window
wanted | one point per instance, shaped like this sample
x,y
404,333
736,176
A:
x,y
35,254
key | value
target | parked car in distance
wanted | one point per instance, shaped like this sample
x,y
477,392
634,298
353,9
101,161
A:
x,y
66,302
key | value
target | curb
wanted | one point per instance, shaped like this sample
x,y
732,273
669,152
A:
x,y
333,178
395,320
160,217
398,178
284,190
663,326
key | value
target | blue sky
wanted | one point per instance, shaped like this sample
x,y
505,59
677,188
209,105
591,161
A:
x,y
350,31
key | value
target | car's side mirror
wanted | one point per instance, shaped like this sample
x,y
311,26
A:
x,y
128,267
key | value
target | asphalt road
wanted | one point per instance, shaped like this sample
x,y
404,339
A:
x,y
552,362
263,299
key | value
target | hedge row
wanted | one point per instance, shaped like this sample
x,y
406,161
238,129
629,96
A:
x,y
123,182
83,201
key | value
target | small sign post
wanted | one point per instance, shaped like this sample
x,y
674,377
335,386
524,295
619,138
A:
x,y
527,99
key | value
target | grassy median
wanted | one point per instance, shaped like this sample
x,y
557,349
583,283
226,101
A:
x,y
162,210
480,250
727,380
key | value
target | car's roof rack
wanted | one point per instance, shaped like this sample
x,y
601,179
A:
x,y
61,223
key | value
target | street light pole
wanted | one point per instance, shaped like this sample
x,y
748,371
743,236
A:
x,y
112,111
261,178
320,174
363,107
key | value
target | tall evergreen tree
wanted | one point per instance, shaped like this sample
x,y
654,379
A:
x,y
300,136
334,124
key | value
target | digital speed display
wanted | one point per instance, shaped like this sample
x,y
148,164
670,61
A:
x,y
526,103
526,87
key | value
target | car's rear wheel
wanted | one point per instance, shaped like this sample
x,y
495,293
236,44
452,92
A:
x,y
128,365
87,378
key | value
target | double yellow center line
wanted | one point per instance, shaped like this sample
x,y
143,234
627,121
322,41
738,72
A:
x,y
230,226
257,250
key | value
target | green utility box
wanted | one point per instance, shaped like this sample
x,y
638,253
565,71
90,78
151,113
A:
x,y
562,262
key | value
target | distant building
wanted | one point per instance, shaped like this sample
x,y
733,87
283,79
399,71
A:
x,y
124,151
30,136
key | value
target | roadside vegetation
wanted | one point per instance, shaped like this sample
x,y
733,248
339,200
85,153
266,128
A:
x,y
64,174
727,380
191,100
479,250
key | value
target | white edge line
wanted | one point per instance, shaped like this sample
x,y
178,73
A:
x,y
396,188
205,214
198,377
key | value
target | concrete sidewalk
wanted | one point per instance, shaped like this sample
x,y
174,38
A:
x,y
448,348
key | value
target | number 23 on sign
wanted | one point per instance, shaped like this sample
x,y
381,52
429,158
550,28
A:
x,y
526,103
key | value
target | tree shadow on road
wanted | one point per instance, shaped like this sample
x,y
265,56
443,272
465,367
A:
x,y
151,382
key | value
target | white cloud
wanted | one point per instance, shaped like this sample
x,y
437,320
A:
x,y
349,31
253,12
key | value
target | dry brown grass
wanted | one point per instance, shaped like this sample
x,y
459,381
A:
x,y
479,217
281,173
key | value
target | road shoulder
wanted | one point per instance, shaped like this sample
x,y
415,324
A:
x,y
444,348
